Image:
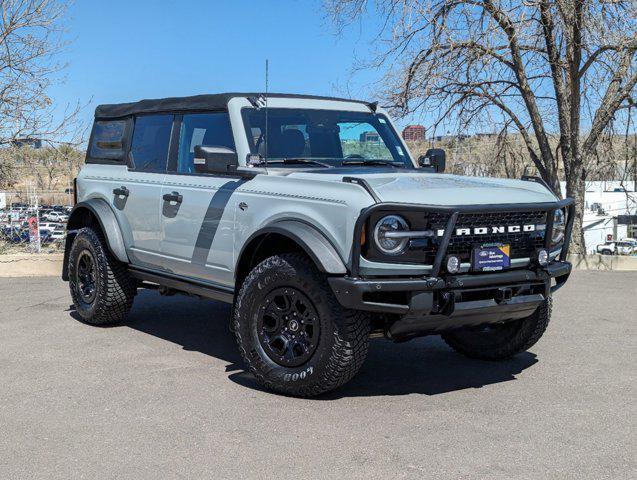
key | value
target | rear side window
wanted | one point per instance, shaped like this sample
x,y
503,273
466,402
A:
x,y
107,140
151,138
203,129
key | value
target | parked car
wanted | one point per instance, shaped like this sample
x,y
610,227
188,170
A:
x,y
55,216
14,234
319,236
633,242
57,234
50,226
616,248
16,216
45,236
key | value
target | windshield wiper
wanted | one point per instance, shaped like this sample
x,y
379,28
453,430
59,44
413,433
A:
x,y
298,161
371,161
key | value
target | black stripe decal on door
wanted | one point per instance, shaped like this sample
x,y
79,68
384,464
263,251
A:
x,y
211,220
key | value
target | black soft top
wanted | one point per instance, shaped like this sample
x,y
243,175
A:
x,y
217,101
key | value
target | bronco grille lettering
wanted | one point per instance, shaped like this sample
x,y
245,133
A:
x,y
493,229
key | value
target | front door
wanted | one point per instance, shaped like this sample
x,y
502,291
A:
x,y
197,211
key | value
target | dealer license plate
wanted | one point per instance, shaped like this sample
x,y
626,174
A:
x,y
491,257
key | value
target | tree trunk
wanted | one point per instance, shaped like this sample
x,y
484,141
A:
x,y
576,189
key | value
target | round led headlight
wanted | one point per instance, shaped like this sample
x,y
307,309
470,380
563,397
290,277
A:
x,y
387,235
452,265
559,227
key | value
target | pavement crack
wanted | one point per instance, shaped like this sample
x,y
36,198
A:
x,y
40,303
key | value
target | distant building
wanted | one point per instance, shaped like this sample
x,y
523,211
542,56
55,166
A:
x,y
27,142
485,135
450,138
414,133
370,137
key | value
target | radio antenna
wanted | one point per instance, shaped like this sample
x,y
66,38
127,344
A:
x,y
267,65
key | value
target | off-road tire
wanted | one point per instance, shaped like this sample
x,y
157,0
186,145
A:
x,y
344,334
114,288
502,341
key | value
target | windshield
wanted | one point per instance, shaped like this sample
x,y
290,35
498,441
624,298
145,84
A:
x,y
325,137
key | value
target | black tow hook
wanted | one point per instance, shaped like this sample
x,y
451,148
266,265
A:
x,y
503,295
446,303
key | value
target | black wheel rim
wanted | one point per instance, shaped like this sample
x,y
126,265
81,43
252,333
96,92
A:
x,y
86,277
288,327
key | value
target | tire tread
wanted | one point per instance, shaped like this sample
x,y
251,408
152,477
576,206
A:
x,y
351,337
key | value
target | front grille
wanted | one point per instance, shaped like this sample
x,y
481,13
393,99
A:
x,y
424,250
523,244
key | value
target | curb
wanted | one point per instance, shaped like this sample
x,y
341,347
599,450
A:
x,y
603,262
31,265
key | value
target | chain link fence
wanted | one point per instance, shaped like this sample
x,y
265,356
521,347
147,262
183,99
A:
x,y
34,221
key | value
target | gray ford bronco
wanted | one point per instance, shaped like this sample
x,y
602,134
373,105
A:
x,y
309,215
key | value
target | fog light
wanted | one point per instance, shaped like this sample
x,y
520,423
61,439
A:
x,y
452,264
542,257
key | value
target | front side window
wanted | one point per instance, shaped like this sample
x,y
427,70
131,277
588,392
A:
x,y
334,138
202,129
151,139
107,140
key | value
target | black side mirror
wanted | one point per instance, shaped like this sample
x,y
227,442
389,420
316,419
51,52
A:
x,y
215,159
435,158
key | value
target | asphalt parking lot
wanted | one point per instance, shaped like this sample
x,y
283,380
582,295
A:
x,y
166,396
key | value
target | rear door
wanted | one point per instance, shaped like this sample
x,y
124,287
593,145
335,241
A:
x,y
138,202
197,211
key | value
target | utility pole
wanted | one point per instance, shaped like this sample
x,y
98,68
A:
x,y
34,222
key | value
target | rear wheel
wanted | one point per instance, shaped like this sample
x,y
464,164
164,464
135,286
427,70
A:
x,y
501,341
292,333
101,288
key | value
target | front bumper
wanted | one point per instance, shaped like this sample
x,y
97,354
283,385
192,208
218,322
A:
x,y
442,301
433,304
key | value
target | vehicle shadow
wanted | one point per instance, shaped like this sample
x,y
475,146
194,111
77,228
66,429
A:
x,y
424,366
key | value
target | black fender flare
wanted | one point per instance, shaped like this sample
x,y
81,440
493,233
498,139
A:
x,y
104,214
312,241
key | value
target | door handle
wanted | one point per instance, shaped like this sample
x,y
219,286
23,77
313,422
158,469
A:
x,y
121,192
173,197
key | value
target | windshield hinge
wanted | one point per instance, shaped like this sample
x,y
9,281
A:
x,y
363,183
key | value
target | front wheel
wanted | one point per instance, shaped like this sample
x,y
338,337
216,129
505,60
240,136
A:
x,y
292,333
501,341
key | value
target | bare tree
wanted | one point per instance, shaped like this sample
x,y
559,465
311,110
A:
x,y
30,41
49,169
9,173
554,69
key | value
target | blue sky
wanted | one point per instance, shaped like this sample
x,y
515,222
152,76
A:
x,y
127,50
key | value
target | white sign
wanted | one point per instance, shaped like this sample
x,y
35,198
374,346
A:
x,y
3,200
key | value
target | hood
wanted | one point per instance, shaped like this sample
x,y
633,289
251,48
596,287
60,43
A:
x,y
438,189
